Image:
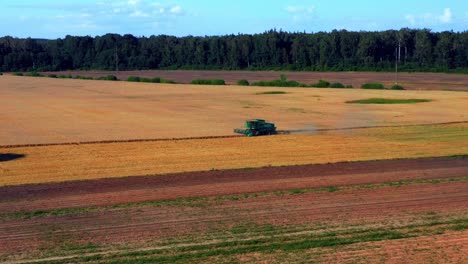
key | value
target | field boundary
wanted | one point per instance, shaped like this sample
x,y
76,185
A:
x,y
215,137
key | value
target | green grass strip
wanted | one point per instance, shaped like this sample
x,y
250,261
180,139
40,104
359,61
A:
x,y
388,101
204,201
271,92
294,244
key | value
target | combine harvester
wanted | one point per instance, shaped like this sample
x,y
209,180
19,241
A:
x,y
257,127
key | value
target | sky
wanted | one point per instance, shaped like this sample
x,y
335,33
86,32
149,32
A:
x,y
55,19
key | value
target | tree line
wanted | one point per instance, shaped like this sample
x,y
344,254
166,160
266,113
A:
x,y
415,49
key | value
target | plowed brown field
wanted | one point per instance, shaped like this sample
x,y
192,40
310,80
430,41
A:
x,y
413,208
105,192
415,81
45,110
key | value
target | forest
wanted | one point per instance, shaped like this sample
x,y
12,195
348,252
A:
x,y
414,49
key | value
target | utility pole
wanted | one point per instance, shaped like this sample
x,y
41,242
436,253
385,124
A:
x,y
116,59
397,60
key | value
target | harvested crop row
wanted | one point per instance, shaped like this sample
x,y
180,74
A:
x,y
80,162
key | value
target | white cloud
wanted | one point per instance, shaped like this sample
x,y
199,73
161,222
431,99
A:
x,y
429,19
446,17
300,9
98,17
411,19
176,10
138,13
133,2
300,13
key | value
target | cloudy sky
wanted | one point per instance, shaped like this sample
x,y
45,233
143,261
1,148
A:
x,y
54,19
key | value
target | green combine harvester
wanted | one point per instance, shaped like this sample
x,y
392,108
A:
x,y
257,127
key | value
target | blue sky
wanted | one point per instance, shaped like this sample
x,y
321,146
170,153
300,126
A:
x,y
54,19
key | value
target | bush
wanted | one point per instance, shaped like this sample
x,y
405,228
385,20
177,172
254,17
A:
x,y
52,75
149,80
208,82
243,82
337,85
321,84
133,79
33,74
83,77
167,81
145,80
65,76
105,78
18,74
373,86
1,73
349,86
282,82
397,87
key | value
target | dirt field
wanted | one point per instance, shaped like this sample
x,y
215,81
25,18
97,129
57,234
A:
x,y
92,161
413,81
352,206
45,110
103,192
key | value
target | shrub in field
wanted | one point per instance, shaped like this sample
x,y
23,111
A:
x,y
397,87
321,84
52,75
107,78
349,86
149,80
208,82
133,79
65,76
33,74
373,86
83,77
282,82
145,80
162,80
243,82
337,85
18,74
1,73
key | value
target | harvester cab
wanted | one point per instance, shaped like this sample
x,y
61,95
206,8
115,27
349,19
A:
x,y
257,127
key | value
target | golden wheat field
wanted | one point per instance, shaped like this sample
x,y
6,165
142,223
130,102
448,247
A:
x,y
91,161
45,110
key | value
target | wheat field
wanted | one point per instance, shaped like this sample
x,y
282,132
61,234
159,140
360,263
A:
x,y
91,161
45,110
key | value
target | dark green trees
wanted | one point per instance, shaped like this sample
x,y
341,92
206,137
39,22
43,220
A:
x,y
421,50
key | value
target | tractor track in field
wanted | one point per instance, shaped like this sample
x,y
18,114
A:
x,y
293,131
104,192
136,223
367,206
